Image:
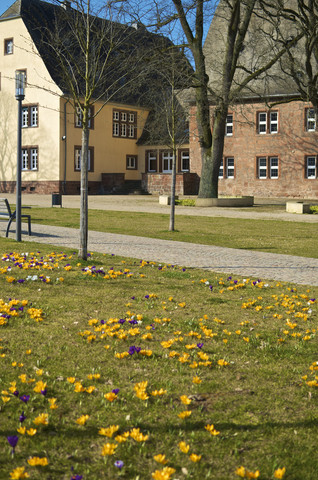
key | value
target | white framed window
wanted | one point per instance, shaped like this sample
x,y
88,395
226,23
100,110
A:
x,y
8,46
185,161
262,123
25,159
267,122
310,120
167,160
273,167
34,116
123,130
115,129
131,162
30,116
33,159
29,159
273,122
262,167
131,131
79,117
25,117
229,125
229,167
311,167
267,167
124,124
78,159
152,161
221,170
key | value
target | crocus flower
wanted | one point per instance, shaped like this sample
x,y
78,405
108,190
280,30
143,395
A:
x,y
119,464
18,473
13,440
22,417
279,473
25,398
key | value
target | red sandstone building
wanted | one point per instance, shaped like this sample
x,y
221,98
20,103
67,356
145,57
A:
x,y
268,152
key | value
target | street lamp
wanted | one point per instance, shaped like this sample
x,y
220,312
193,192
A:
x,y
19,95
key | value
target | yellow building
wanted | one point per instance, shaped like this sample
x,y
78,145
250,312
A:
x,y
52,128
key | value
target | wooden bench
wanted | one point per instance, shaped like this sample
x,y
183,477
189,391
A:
x,y
6,213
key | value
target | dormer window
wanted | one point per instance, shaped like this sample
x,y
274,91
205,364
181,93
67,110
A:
x,y
8,46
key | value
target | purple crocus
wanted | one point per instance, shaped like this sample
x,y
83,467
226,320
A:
x,y
76,477
199,345
13,440
115,390
133,321
133,349
25,398
16,393
119,464
22,417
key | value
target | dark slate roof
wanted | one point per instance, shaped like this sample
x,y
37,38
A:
x,y
257,50
13,11
44,19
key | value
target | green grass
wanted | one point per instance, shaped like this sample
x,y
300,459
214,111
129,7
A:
x,y
259,401
292,238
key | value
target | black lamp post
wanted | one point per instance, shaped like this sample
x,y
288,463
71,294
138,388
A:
x,y
19,95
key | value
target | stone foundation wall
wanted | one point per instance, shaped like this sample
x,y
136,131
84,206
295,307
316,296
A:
x,y
160,183
32,187
47,188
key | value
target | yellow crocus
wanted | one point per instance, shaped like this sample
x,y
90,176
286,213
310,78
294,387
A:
x,y
109,449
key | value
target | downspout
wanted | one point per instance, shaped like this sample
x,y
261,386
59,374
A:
x,y
65,147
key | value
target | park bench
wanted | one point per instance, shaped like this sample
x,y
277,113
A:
x,y
6,213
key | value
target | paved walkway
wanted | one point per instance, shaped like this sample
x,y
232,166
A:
x,y
241,263
150,204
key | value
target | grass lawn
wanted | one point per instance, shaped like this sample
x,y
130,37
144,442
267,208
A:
x,y
115,368
292,238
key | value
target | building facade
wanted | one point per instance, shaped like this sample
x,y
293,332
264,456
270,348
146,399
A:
x,y
267,152
271,138
52,127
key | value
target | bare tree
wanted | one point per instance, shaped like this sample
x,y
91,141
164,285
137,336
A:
x,y
299,65
94,60
168,123
223,72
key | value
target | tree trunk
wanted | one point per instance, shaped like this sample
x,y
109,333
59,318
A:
x,y
173,190
82,253
212,158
